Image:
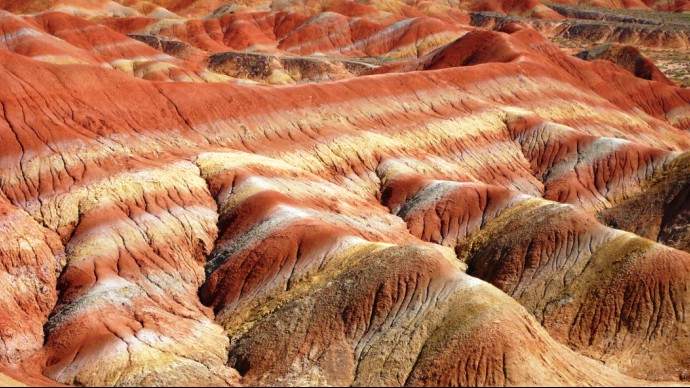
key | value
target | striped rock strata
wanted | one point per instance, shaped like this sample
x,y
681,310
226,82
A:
x,y
433,224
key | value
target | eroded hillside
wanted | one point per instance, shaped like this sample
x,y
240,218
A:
x,y
417,198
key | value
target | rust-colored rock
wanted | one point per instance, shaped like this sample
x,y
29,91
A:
x,y
418,202
627,57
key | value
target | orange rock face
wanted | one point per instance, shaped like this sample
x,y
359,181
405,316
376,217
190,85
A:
x,y
424,200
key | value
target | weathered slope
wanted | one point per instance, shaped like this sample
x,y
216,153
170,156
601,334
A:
x,y
610,294
627,57
660,211
60,38
654,34
295,33
526,46
119,181
379,313
31,259
420,322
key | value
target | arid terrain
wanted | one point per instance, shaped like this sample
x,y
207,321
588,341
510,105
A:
x,y
340,192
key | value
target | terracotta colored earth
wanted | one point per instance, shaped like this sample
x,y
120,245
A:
x,y
381,193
